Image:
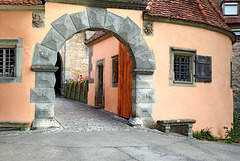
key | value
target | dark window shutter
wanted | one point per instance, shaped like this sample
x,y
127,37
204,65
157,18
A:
x,y
203,68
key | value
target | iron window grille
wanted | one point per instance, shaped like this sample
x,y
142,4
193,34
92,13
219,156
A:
x,y
182,68
11,60
7,62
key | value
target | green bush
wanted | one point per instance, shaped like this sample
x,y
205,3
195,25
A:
x,y
234,133
204,134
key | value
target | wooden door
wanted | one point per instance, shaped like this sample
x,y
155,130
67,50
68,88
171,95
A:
x,y
124,83
99,98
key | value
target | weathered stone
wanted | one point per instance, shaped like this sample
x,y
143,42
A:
x,y
43,68
44,110
143,96
65,26
42,95
96,17
138,44
113,22
80,21
145,60
53,40
148,122
236,75
45,123
22,125
142,109
44,56
144,81
128,30
182,126
45,80
135,121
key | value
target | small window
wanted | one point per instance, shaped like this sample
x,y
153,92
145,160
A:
x,y
182,66
230,9
7,62
10,60
115,71
237,33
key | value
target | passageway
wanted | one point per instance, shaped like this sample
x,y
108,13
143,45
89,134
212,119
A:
x,y
77,116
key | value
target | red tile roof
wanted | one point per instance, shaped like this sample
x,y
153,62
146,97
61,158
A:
x,y
95,36
21,2
218,4
200,11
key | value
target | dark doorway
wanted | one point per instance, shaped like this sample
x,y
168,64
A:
x,y
99,100
58,76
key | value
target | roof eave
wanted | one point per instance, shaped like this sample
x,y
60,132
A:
x,y
119,4
23,8
230,34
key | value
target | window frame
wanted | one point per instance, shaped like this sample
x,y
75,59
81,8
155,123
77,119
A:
x,y
5,43
230,4
182,52
114,84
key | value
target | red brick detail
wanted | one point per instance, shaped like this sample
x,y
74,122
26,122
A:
x,y
20,2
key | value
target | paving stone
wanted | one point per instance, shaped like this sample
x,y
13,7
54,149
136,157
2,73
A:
x,y
77,116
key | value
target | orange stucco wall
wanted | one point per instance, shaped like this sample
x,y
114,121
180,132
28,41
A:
x,y
15,98
209,103
105,50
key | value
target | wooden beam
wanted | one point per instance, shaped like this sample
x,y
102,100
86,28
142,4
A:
x,y
21,8
121,4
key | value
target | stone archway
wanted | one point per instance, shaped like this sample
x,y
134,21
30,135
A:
x,y
125,30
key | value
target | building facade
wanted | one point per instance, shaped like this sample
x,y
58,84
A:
x,y
180,59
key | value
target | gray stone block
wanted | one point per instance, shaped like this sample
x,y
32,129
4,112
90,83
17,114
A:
x,y
135,121
148,122
44,56
80,21
128,30
45,123
96,17
44,110
42,95
145,60
143,96
142,109
45,80
144,81
138,44
65,26
53,40
113,22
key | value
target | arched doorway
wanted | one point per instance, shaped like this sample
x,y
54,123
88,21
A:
x,y
125,30
58,76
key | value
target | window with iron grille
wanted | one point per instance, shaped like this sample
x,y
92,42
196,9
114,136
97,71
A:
x,y
182,67
10,60
7,62
115,71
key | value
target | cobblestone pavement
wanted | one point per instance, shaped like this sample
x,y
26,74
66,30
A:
x,y
77,116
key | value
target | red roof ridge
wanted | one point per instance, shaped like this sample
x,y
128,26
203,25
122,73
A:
x,y
149,6
201,8
219,13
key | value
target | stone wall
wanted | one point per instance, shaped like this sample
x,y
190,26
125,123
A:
x,y
75,57
236,75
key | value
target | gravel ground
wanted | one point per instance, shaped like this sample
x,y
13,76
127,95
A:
x,y
77,116
74,116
